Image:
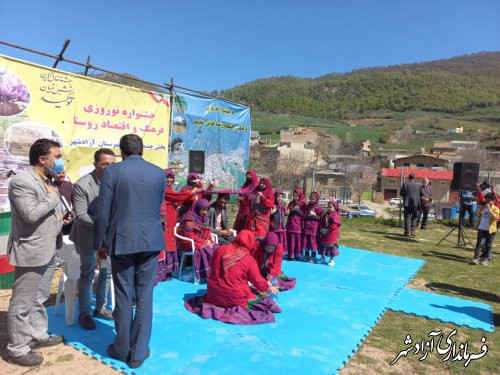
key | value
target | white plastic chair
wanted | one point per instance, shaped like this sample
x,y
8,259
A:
x,y
68,281
185,253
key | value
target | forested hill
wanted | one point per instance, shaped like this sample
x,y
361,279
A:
x,y
453,86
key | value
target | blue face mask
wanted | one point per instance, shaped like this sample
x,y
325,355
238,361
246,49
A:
x,y
58,167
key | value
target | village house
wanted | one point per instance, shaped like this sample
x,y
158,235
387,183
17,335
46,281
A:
x,y
392,179
299,135
421,161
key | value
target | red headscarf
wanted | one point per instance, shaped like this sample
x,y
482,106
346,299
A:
x,y
242,246
268,191
300,201
255,180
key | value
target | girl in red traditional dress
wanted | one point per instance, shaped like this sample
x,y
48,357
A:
x,y
277,224
260,203
194,225
329,233
294,225
168,262
269,257
250,184
311,213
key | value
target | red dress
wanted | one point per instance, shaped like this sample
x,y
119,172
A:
x,y
273,267
227,286
169,212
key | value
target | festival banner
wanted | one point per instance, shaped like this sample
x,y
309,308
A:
x,y
82,113
213,132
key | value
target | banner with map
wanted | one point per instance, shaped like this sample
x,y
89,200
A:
x,y
215,130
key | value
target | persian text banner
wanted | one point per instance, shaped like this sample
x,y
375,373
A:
x,y
82,113
213,132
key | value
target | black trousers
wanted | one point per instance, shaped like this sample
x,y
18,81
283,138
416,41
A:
x,y
423,214
411,217
467,208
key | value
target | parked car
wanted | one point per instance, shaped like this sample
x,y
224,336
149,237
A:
x,y
395,201
364,210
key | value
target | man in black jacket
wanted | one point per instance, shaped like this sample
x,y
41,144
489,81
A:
x,y
410,192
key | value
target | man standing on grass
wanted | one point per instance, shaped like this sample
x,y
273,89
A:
x,y
129,230
426,201
410,192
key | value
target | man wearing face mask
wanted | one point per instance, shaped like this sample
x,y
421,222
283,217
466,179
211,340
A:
x,y
86,191
37,219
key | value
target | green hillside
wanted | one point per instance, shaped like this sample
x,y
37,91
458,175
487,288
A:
x,y
482,125
453,86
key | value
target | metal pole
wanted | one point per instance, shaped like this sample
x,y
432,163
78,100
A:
x,y
60,56
313,182
401,180
89,66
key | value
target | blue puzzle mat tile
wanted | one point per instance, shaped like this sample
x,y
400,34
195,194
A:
x,y
324,320
447,309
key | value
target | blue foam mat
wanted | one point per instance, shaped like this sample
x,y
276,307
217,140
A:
x,y
447,309
324,320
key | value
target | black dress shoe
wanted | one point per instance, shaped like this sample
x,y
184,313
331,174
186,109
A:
x,y
86,322
28,360
136,363
51,341
114,354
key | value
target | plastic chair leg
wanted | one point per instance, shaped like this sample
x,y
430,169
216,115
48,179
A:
x,y
181,264
70,288
59,292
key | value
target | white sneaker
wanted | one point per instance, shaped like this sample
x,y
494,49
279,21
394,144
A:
x,y
331,263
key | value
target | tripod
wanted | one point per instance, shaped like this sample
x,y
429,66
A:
x,y
462,234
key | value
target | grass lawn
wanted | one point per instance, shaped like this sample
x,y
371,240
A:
x,y
446,271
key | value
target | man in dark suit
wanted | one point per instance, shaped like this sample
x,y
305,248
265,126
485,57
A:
x,y
37,219
128,228
410,192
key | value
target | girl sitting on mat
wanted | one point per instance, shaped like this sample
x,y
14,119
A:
x,y
269,256
294,225
311,213
229,297
329,229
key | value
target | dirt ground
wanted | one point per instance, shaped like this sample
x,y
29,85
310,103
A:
x,y
58,359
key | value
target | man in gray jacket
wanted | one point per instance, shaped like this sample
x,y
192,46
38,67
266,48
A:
x,y
85,193
37,219
410,192
218,221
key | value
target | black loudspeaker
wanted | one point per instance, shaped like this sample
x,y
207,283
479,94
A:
x,y
196,161
465,176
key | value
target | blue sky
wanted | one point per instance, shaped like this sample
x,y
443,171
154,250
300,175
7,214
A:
x,y
207,45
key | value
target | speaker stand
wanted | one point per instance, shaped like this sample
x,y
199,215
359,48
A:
x,y
462,234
